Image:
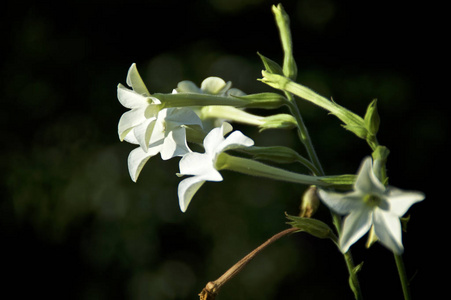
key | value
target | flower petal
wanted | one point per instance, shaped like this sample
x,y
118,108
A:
x,y
130,138
355,225
200,164
158,132
387,228
235,140
174,144
129,120
214,85
215,137
366,181
129,98
143,132
186,190
400,201
137,159
182,116
135,81
342,203
235,92
187,86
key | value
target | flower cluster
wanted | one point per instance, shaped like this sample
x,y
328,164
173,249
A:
x,y
156,129
169,124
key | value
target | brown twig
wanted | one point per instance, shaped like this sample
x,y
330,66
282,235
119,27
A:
x,y
212,288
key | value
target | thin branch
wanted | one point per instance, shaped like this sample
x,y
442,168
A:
x,y
212,288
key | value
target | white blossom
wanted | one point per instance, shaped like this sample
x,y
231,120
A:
x,y
167,136
202,165
371,204
146,124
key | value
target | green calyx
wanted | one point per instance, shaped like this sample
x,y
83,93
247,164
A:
x,y
262,100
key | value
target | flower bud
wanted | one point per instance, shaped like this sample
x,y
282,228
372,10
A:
x,y
310,202
279,121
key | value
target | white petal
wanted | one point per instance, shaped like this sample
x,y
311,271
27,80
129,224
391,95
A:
x,y
158,132
400,201
214,85
129,120
152,110
355,225
341,203
200,164
135,81
235,92
129,98
187,86
366,181
143,132
182,116
130,138
186,190
215,137
137,159
174,144
235,140
387,228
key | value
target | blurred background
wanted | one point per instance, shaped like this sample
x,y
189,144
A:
x,y
74,226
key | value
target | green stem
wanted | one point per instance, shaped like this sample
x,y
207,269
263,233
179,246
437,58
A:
x,y
402,276
303,133
255,168
305,138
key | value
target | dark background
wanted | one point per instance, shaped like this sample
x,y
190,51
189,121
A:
x,y
74,226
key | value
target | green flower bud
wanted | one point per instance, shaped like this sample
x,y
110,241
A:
x,y
279,121
372,119
290,69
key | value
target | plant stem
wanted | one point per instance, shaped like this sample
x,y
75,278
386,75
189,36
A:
x,y
305,138
303,133
402,276
212,288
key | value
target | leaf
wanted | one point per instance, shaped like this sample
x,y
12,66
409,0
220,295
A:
x,y
314,227
270,65
353,283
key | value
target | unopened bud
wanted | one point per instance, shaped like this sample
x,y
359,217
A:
x,y
279,121
310,202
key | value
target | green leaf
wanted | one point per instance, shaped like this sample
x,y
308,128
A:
x,y
314,227
353,283
270,65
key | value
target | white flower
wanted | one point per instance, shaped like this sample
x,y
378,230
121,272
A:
x,y
166,135
211,85
133,125
202,165
371,204
156,130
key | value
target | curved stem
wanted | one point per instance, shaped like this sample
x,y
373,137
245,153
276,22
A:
x,y
212,288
